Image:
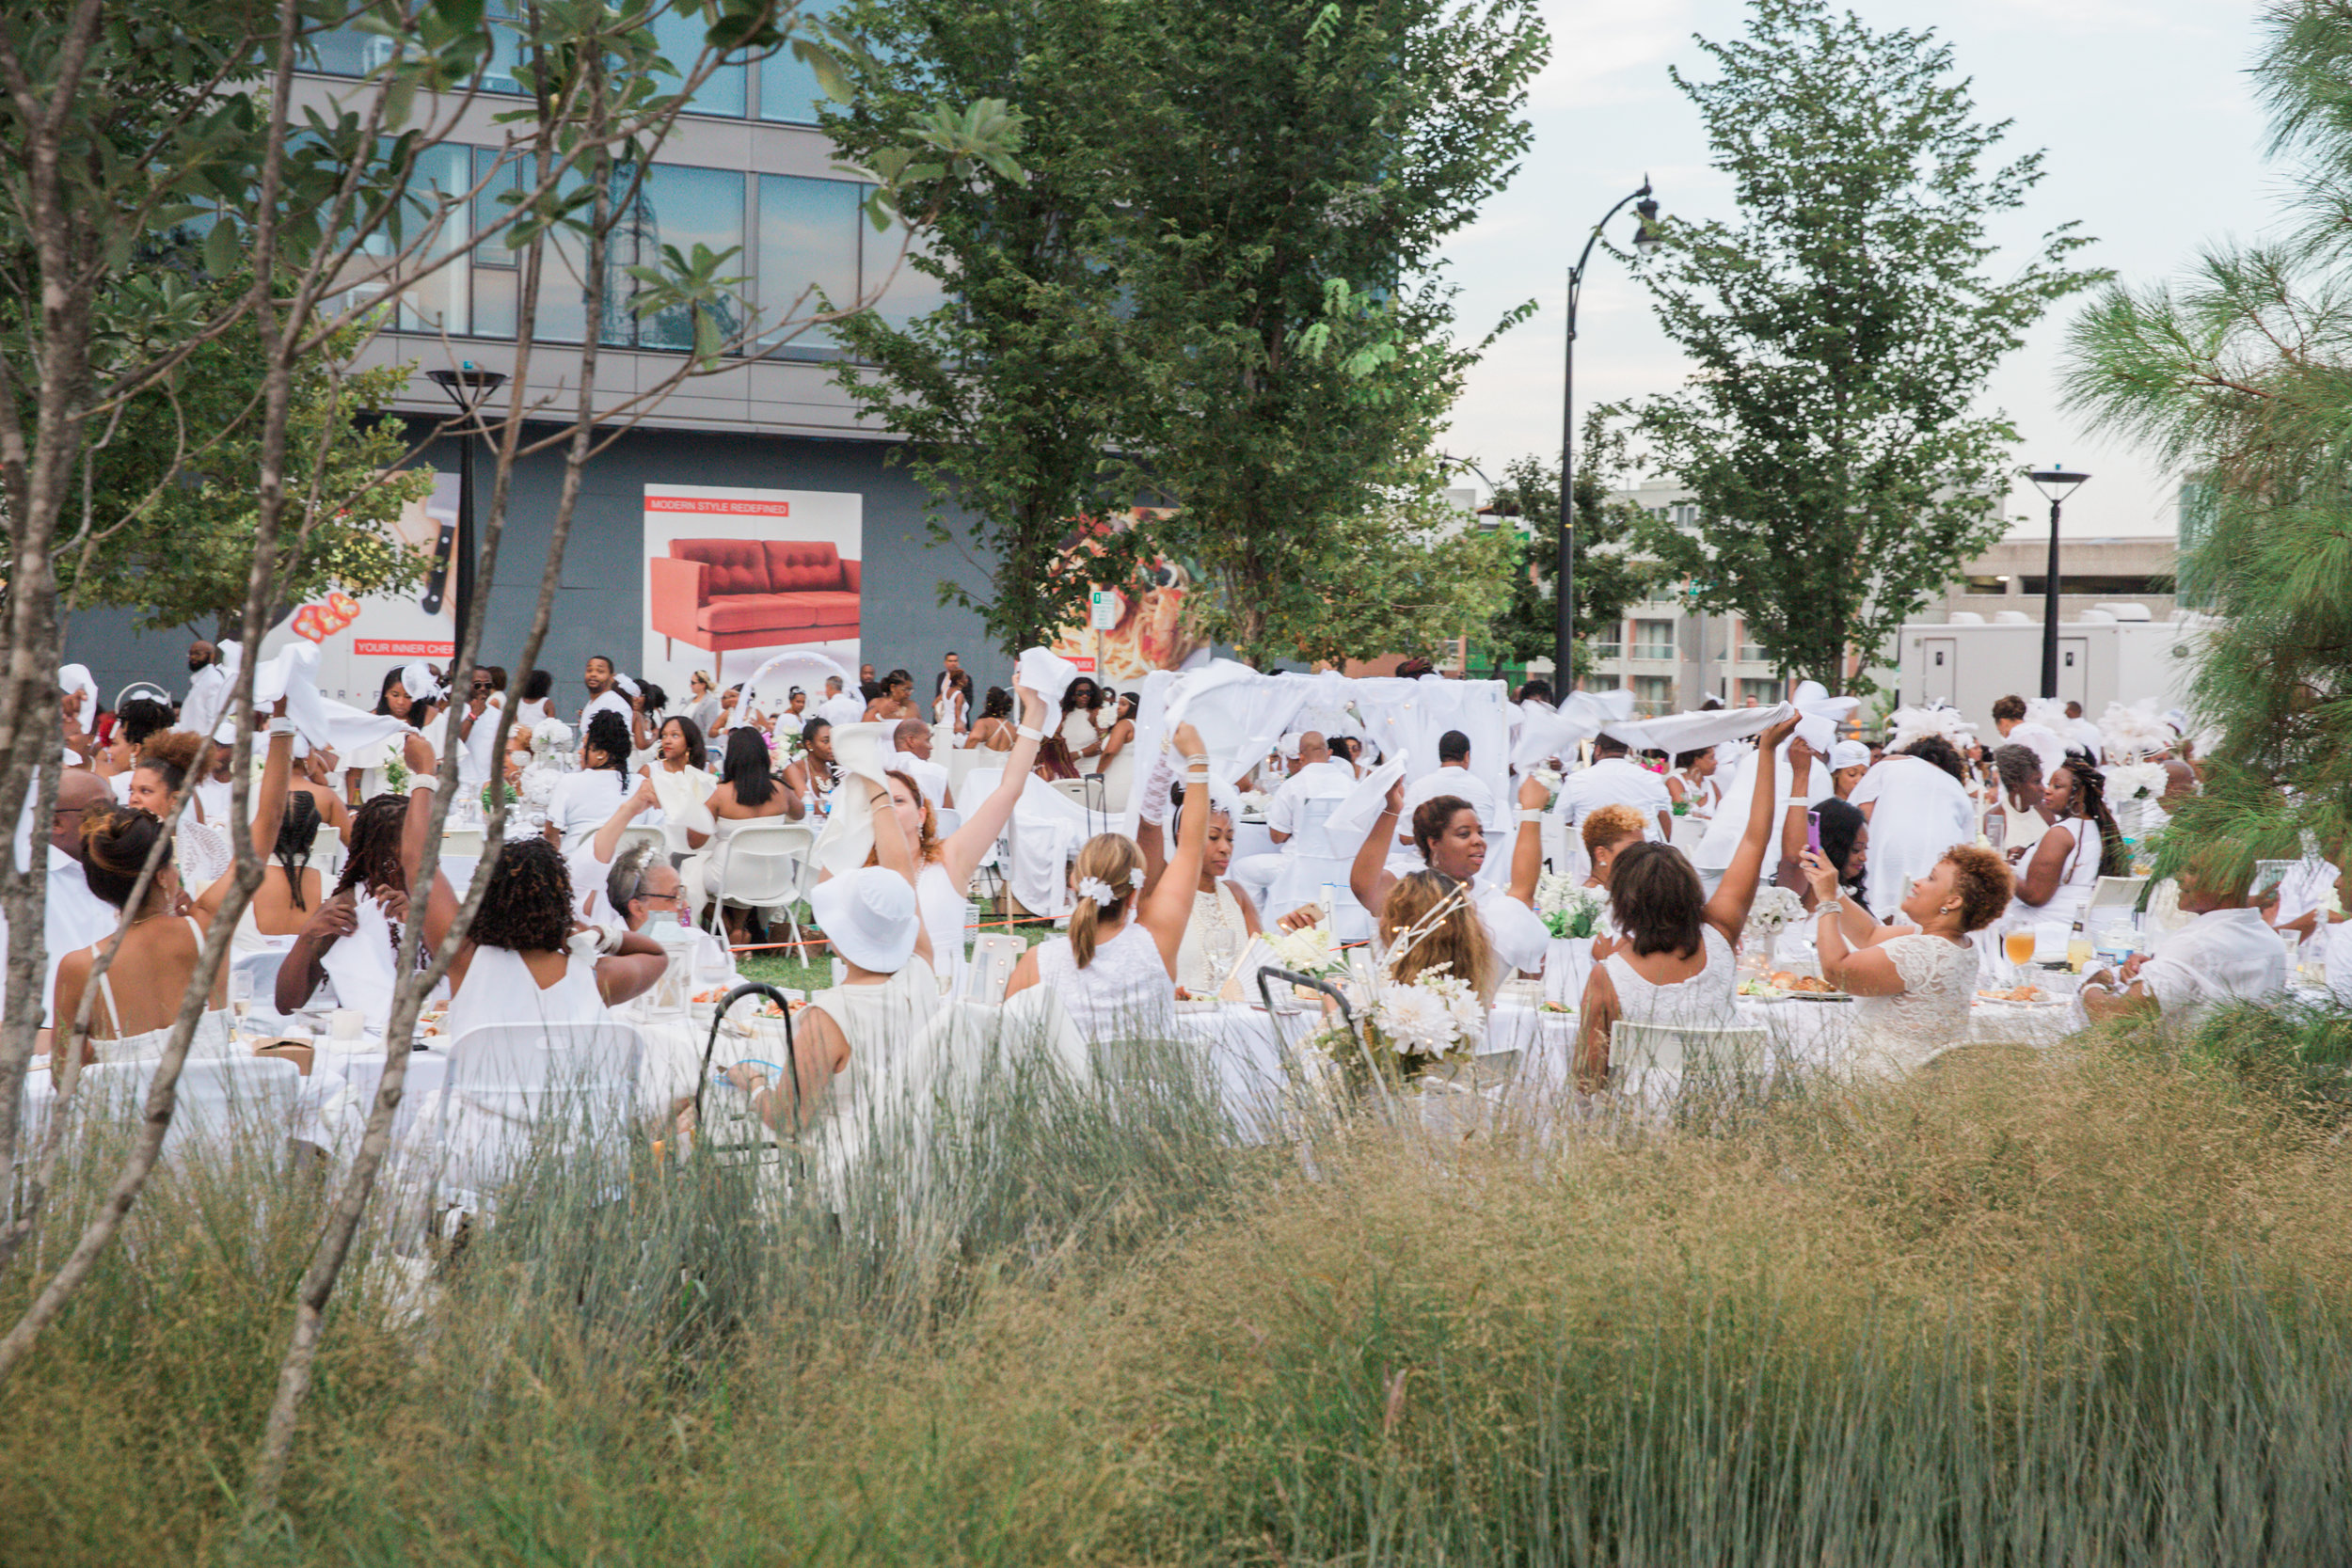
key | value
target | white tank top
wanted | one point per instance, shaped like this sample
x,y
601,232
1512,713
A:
x,y
1125,994
1701,1001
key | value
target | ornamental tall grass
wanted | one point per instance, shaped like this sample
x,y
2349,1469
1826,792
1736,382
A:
x,y
2091,1305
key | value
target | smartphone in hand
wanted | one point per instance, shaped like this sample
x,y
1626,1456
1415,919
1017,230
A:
x,y
1813,830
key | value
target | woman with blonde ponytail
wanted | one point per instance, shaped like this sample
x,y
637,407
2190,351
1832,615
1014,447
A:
x,y
1116,971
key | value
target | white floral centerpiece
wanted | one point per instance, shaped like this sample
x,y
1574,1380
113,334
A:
x,y
1412,1026
2135,781
1774,911
550,739
1569,909
1254,801
1308,950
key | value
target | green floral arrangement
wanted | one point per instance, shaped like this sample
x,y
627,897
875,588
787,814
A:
x,y
396,776
499,790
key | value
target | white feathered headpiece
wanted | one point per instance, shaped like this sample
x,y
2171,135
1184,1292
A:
x,y
2049,713
1907,724
2137,729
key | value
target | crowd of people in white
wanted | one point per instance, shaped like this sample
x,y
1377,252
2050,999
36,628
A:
x,y
1178,835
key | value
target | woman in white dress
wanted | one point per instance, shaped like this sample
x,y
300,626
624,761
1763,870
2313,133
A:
x,y
992,730
1694,785
1672,961
851,1045
523,960
1116,761
2023,821
746,792
407,695
351,938
1915,981
536,706
140,996
585,801
1076,740
200,849
1115,973
945,866
2079,843
1450,840
1224,917
682,779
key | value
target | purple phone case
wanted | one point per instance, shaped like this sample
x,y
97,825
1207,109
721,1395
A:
x,y
1813,831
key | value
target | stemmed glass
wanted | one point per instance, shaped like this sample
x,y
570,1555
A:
x,y
239,996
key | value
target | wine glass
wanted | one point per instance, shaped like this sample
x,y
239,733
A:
x,y
239,996
2017,946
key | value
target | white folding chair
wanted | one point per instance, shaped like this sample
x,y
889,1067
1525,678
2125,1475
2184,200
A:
x,y
947,819
219,1102
633,837
326,852
764,866
461,841
1661,1065
514,1087
991,969
1310,863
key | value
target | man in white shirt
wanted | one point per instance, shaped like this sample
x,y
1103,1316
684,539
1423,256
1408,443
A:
x,y
2228,954
1318,778
1453,777
912,757
73,916
2082,734
840,708
604,694
1614,780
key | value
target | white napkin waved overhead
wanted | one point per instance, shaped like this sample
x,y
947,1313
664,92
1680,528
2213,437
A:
x,y
858,751
1359,808
1046,673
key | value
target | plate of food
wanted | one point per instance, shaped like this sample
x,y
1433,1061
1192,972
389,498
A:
x,y
2021,996
1762,990
1805,988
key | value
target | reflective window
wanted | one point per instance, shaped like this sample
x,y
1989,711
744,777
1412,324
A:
x,y
808,245
910,291
787,89
680,36
679,207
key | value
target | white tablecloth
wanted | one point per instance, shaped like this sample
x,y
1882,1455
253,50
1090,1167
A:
x,y
1814,1034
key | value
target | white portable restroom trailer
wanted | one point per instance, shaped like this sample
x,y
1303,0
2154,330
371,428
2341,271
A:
x,y
1970,663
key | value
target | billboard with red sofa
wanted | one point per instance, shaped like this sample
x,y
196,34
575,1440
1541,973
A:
x,y
736,576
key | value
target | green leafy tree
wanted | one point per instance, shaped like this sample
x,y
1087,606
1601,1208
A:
x,y
1616,550
2241,377
174,475
1290,169
1008,392
1842,332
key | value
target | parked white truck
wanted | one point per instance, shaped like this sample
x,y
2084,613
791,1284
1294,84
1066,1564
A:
x,y
2113,655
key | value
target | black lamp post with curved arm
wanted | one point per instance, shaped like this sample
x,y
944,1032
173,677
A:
x,y
1646,239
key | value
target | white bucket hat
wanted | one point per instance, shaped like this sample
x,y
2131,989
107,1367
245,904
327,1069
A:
x,y
869,916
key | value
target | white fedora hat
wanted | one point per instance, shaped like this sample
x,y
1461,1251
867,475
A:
x,y
869,916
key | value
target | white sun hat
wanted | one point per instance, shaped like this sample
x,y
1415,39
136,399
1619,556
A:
x,y
869,916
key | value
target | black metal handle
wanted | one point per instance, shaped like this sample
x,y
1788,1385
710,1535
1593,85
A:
x,y
719,1016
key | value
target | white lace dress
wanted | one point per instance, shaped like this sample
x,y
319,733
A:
x,y
1895,1036
1124,994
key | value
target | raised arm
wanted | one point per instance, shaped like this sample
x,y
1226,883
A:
x,y
607,843
269,799
1166,909
1368,879
1727,911
1527,848
962,853
891,849
440,904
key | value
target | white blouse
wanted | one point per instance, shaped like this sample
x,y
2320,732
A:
x,y
1896,1035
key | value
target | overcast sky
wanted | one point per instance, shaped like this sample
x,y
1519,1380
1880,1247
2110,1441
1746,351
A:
x,y
2143,105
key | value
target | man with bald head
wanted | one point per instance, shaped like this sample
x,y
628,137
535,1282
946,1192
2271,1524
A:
x,y
1318,778
73,917
912,745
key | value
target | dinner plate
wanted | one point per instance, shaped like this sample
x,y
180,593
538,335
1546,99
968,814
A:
x,y
1817,996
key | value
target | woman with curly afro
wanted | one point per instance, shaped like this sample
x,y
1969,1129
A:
x,y
526,959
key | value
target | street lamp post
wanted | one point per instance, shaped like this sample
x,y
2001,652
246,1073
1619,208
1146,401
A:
x,y
1647,237
2056,483
469,388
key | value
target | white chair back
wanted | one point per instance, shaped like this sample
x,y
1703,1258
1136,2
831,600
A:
x,y
219,1102
1659,1063
633,837
1036,1020
1311,863
946,819
461,841
326,852
991,969
2117,894
511,1082
762,864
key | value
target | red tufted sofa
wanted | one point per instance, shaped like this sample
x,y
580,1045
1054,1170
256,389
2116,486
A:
x,y
723,593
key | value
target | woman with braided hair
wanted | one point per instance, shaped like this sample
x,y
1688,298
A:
x,y
285,826
354,935
585,801
2080,845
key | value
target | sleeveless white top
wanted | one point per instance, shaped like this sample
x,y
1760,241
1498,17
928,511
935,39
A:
x,y
1124,994
212,1036
2077,876
1219,912
1895,1035
1703,1000
941,905
500,989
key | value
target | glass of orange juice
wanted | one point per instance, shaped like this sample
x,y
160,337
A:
x,y
2017,947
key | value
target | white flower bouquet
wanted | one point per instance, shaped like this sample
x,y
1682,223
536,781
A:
x,y
1413,1027
1569,908
2135,781
1255,801
1308,950
1774,911
550,737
